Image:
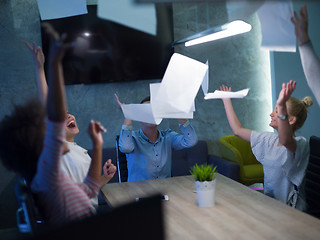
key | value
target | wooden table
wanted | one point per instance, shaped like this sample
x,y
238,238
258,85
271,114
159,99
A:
x,y
240,212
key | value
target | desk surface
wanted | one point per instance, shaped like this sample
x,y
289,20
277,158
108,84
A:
x,y
239,213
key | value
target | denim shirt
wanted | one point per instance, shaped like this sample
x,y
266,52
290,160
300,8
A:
x,y
147,160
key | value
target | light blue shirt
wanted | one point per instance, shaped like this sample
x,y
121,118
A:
x,y
147,160
283,170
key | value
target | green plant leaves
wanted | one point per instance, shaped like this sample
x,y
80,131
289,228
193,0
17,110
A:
x,y
203,172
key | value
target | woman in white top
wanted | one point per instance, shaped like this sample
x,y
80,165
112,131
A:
x,y
283,155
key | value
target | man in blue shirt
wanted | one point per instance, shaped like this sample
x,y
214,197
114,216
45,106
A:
x,y
148,150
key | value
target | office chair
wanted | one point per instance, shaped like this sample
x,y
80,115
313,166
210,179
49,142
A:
x,y
313,178
237,150
29,217
121,163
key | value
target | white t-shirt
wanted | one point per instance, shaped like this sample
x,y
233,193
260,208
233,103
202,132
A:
x,y
76,165
283,170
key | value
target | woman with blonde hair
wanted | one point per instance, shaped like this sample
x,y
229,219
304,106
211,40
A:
x,y
283,155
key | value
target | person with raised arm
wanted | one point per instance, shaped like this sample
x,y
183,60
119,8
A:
x,y
309,59
76,162
283,155
32,141
148,150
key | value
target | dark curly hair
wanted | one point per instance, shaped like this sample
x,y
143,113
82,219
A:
x,y
21,138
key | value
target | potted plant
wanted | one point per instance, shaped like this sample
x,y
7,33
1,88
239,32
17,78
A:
x,y
205,177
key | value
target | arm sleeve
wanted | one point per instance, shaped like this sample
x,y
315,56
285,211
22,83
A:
x,y
187,140
259,145
90,187
48,172
126,144
311,67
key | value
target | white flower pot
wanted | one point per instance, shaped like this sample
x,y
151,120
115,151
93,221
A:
x,y
206,193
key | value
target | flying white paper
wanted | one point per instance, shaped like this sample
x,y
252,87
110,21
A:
x,y
169,113
180,85
140,113
276,27
222,94
205,82
52,9
126,12
174,96
243,9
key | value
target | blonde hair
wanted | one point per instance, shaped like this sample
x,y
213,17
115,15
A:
x,y
298,108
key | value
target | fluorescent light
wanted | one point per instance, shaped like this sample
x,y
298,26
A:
x,y
226,30
87,34
231,29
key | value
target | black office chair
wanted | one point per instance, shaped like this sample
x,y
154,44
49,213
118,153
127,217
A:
x,y
121,163
29,217
313,178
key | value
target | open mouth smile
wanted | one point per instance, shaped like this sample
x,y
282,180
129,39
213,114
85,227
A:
x,y
71,124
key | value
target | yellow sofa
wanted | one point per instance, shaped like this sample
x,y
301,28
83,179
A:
x,y
237,150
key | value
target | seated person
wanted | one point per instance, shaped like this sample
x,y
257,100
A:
x,y
32,144
76,162
284,156
310,61
148,150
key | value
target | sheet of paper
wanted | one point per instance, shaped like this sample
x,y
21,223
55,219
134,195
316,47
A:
x,y
276,27
52,9
129,13
140,113
180,85
222,94
243,9
167,114
205,82
174,96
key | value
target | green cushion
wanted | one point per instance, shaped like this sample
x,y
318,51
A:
x,y
253,171
237,150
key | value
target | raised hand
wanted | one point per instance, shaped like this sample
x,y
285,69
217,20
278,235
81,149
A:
x,y
118,101
58,44
109,170
94,130
225,88
126,121
285,93
37,54
301,25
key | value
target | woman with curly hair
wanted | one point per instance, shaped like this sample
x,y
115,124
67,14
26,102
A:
x,y
32,142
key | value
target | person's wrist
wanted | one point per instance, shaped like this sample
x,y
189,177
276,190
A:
x,y
282,108
97,144
106,177
303,40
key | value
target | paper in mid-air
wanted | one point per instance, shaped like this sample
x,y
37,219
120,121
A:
x,y
276,27
52,9
138,16
174,96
